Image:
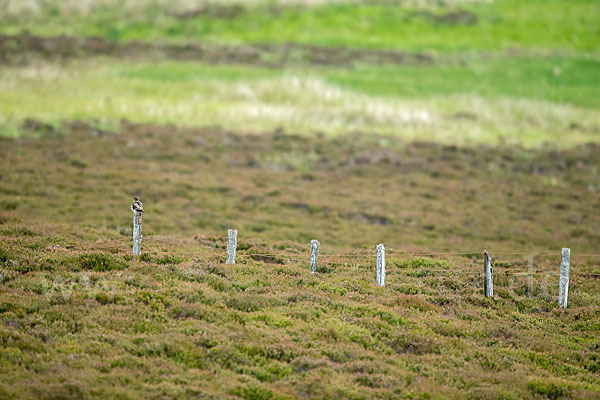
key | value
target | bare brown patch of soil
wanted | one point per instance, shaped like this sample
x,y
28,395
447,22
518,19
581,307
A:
x,y
222,11
21,49
456,17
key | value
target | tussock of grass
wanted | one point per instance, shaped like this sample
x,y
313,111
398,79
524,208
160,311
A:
x,y
422,262
163,259
98,262
5,255
550,390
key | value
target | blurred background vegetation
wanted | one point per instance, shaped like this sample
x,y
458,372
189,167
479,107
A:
x,y
524,72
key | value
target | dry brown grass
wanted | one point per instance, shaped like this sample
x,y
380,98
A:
x,y
348,191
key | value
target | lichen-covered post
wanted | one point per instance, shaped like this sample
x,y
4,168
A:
x,y
563,284
231,246
314,253
380,277
137,233
488,282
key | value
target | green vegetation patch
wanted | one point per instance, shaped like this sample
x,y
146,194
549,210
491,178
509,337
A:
x,y
528,100
422,262
99,262
549,389
481,25
163,259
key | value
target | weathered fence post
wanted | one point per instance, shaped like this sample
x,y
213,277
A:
x,y
137,233
488,281
380,277
314,253
231,246
563,285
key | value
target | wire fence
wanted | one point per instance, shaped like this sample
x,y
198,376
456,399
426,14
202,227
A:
x,y
224,251
394,256
389,254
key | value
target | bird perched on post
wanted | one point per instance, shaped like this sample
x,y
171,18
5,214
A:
x,y
136,206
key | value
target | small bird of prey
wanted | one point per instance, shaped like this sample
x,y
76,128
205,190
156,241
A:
x,y
136,206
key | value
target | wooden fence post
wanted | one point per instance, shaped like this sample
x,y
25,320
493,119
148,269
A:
x,y
563,285
314,253
231,246
488,282
137,233
380,277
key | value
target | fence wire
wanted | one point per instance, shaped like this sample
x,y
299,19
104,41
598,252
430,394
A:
x,y
328,260
391,253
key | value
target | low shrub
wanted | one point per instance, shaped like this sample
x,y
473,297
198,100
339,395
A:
x,y
250,303
325,268
414,343
99,262
550,390
422,262
164,259
5,255
253,392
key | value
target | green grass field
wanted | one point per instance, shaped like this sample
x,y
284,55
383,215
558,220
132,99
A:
x,y
554,25
401,101
521,72
450,126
